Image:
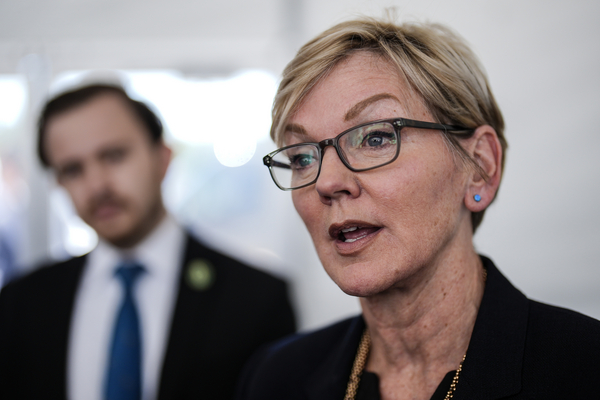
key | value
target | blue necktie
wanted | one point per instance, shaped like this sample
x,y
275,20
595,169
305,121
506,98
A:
x,y
124,375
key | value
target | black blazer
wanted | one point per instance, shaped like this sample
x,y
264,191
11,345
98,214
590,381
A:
x,y
520,349
214,329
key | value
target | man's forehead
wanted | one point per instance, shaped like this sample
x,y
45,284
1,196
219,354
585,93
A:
x,y
89,128
103,107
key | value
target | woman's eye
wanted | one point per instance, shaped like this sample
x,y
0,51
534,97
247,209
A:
x,y
301,161
374,141
377,139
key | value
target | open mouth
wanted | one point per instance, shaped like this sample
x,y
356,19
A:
x,y
352,233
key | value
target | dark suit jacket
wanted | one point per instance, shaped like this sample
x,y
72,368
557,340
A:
x,y
520,349
214,330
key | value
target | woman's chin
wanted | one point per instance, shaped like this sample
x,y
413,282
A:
x,y
358,292
362,286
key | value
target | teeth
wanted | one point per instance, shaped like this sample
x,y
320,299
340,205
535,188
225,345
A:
x,y
354,240
349,229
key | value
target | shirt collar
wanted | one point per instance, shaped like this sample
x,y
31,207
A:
x,y
159,252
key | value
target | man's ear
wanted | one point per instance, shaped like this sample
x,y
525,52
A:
x,y
486,150
164,157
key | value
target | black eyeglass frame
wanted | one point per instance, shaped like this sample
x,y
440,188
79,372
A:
x,y
397,123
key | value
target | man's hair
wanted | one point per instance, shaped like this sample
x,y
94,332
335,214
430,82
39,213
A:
x,y
435,62
75,98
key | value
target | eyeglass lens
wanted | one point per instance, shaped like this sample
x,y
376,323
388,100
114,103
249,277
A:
x,y
365,147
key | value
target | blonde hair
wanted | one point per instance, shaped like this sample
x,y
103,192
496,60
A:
x,y
434,61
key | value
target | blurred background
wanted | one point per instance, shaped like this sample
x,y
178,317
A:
x,y
210,69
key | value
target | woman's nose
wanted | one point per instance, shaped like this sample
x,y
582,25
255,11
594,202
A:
x,y
335,179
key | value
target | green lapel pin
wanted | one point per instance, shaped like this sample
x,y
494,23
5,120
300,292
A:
x,y
200,274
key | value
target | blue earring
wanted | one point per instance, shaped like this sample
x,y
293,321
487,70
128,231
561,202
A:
x,y
477,198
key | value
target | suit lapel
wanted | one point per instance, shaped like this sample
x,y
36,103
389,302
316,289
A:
x,y
329,381
64,311
55,297
194,305
493,366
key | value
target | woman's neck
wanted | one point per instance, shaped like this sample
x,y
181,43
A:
x,y
421,331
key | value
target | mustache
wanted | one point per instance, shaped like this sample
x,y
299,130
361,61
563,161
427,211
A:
x,y
103,199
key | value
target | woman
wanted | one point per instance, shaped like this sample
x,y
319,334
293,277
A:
x,y
393,145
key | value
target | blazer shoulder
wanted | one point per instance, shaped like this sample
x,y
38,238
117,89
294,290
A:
x,y
244,293
276,371
232,269
557,323
50,276
561,346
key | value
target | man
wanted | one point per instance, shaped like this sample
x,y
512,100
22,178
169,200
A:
x,y
150,313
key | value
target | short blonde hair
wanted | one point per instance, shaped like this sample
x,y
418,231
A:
x,y
435,61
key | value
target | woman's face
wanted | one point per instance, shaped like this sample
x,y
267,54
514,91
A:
x,y
378,229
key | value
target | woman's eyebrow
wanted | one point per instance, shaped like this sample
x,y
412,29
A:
x,y
359,107
297,130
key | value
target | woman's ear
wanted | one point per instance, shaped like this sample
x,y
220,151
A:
x,y
486,150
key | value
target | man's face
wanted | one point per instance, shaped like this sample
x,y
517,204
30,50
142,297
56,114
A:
x,y
104,157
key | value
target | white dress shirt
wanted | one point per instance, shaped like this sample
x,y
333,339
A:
x,y
99,296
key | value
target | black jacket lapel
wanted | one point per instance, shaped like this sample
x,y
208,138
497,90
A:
x,y
38,331
329,381
189,323
494,362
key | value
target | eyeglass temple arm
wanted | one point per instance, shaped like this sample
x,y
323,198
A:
x,y
458,130
269,162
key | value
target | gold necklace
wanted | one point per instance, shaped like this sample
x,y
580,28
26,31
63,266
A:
x,y
361,359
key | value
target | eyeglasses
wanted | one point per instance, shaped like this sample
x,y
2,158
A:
x,y
364,147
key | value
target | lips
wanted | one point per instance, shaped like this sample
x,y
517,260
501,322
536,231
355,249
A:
x,y
107,211
106,206
350,232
